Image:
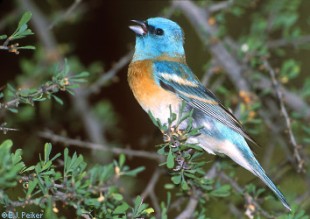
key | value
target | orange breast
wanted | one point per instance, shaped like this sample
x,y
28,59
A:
x,y
149,95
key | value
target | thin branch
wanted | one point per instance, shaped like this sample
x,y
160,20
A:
x,y
94,146
150,190
43,90
108,76
189,210
152,183
6,129
66,14
250,201
192,204
296,147
301,40
220,6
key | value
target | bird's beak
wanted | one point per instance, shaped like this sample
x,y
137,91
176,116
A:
x,y
140,29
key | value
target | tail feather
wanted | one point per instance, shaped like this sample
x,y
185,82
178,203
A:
x,y
259,171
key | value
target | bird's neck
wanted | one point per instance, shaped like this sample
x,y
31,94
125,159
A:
x,y
163,57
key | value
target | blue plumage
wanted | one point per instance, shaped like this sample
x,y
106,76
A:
x,y
159,77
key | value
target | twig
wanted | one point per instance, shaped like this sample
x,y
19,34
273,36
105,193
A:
x,y
152,183
150,190
289,42
107,76
43,90
296,147
66,14
248,198
189,210
6,129
191,206
94,146
220,6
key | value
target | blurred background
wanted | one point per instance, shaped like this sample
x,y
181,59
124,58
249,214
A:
x,y
93,36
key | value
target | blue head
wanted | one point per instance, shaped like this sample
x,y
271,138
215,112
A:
x,y
157,37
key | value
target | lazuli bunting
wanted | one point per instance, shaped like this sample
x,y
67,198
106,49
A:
x,y
160,78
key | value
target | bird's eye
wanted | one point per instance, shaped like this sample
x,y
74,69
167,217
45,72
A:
x,y
159,31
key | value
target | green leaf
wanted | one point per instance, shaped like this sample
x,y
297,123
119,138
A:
x,y
121,209
25,19
184,185
58,100
121,160
31,186
3,37
169,186
47,151
148,211
222,191
138,202
170,160
7,144
176,179
117,196
26,47
134,172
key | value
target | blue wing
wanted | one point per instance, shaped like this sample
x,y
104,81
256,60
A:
x,y
179,79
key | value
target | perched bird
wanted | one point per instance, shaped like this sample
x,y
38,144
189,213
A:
x,y
159,77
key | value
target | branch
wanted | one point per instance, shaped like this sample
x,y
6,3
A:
x,y
150,189
251,203
52,88
152,183
289,42
220,6
94,146
191,206
6,129
107,76
296,147
189,209
66,14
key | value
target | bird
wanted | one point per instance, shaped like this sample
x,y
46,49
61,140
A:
x,y
161,81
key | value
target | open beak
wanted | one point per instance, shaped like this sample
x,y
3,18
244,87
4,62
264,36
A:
x,y
140,29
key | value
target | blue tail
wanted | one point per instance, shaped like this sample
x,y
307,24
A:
x,y
259,171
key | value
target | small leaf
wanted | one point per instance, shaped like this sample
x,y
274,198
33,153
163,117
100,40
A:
x,y
122,160
26,47
184,185
222,191
170,160
138,202
117,197
3,37
148,211
176,179
25,19
121,209
169,186
47,151
134,172
58,100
